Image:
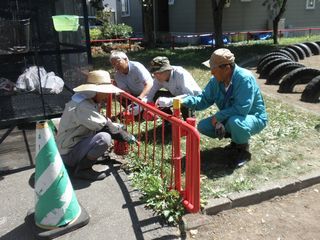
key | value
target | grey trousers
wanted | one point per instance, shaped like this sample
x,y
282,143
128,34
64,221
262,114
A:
x,y
92,147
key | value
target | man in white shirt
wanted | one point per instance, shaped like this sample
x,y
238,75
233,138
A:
x,y
130,76
176,80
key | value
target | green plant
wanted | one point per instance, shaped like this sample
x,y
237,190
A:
x,y
95,34
162,200
112,31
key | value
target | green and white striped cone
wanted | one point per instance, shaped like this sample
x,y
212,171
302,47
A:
x,y
56,202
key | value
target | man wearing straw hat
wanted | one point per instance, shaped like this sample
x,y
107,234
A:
x,y
84,134
241,107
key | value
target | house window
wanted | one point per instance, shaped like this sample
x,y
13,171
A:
x,y
310,4
125,8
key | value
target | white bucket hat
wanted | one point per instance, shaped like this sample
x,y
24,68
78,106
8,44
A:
x,y
98,81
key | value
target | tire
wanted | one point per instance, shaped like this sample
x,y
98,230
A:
x,y
315,49
298,50
297,76
265,71
268,59
305,48
293,52
272,54
318,43
282,69
287,53
312,91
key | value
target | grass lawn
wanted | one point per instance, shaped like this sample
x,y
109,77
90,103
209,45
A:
x,y
288,147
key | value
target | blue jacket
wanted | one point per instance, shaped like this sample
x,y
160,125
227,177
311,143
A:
x,y
245,99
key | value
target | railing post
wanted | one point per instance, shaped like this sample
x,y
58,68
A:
x,y
176,135
172,42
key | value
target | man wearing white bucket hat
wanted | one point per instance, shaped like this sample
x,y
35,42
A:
x,y
84,134
241,107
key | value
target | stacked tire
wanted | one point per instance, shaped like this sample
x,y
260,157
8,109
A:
x,y
281,68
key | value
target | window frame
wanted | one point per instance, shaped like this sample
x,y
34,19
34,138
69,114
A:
x,y
125,4
310,6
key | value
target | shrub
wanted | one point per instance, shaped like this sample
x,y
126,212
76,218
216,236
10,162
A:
x,y
95,34
116,31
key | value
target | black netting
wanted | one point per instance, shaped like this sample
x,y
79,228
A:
x,y
28,38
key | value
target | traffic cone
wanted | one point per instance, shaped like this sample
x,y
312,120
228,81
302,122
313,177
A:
x,y
57,210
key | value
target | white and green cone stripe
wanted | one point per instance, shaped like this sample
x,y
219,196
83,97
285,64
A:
x,y
56,202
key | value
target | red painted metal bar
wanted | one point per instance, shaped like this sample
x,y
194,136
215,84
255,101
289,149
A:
x,y
115,40
190,191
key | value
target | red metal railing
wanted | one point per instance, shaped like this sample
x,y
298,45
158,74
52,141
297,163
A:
x,y
144,126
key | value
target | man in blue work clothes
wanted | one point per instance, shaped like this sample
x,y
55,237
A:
x,y
241,107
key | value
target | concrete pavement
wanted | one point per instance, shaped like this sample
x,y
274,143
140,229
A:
x,y
113,205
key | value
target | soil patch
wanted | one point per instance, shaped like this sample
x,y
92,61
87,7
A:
x,y
295,216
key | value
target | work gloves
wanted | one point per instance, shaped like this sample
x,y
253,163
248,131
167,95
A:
x,y
164,102
220,131
118,133
134,109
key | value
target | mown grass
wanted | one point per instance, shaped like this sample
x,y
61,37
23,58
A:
x,y
287,147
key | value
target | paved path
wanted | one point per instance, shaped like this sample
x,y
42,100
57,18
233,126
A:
x,y
115,210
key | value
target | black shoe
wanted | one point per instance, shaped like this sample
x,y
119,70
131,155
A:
x,y
239,154
243,157
89,174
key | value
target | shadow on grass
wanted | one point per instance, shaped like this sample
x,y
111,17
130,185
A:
x,y
215,163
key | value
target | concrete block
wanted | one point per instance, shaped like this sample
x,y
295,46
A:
x,y
193,221
310,179
269,191
289,186
242,199
216,205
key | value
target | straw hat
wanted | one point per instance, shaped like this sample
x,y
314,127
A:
x,y
98,81
219,57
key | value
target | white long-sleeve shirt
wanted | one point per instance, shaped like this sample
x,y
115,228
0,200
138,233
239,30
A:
x,y
180,82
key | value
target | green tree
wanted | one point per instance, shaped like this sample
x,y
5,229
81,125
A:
x,y
217,13
276,9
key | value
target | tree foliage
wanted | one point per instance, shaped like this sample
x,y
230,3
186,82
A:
x,y
276,10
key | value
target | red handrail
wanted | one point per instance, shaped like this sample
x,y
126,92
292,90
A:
x,y
190,192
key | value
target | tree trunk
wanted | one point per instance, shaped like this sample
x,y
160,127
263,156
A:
x,y
276,21
148,26
217,11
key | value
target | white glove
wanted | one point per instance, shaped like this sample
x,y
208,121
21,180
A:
x,y
164,102
134,109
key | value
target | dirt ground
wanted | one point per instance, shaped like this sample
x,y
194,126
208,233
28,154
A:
x,y
295,216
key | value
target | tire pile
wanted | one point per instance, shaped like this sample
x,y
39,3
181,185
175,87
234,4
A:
x,y
281,68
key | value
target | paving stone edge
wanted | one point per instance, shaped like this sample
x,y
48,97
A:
x,y
243,199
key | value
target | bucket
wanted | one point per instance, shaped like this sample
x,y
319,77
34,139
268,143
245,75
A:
x,y
128,117
63,23
120,148
148,115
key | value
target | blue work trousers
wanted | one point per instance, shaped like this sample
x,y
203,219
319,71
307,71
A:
x,y
240,128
